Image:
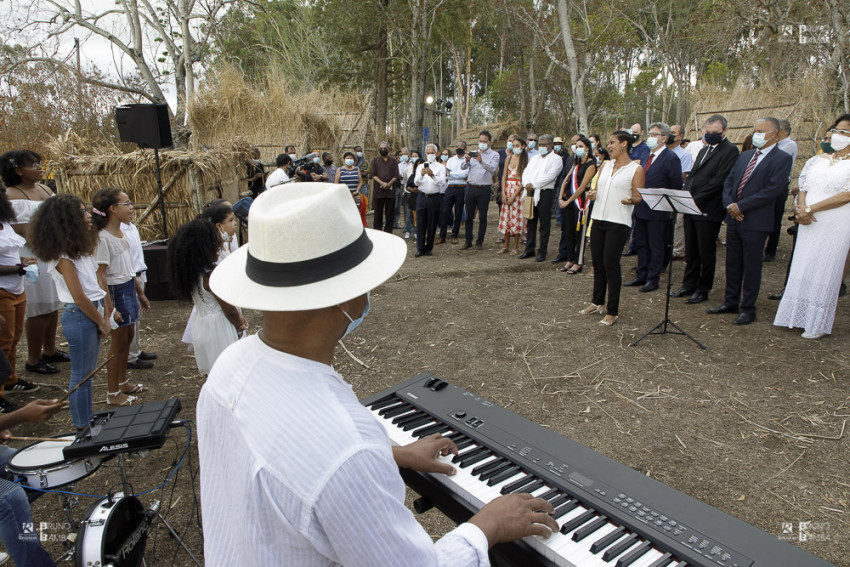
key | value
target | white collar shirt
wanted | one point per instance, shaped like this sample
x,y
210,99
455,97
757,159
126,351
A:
x,y
427,185
684,158
482,173
541,172
457,174
761,152
296,472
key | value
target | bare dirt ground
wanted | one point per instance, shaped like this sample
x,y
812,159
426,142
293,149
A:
x,y
753,426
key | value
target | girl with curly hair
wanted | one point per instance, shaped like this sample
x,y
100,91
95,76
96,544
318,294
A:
x,y
193,253
60,234
22,173
111,207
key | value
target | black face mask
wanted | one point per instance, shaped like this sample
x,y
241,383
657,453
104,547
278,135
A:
x,y
714,138
331,162
384,152
671,139
460,151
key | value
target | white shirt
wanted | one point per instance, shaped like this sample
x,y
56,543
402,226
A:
x,y
789,146
611,190
296,472
760,158
457,173
428,186
532,153
276,177
694,148
87,274
131,233
685,158
482,173
541,172
10,254
115,253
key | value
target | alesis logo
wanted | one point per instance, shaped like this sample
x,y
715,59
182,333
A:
x,y
131,542
108,448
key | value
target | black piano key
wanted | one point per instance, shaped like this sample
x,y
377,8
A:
x,y
549,495
619,547
392,400
463,443
578,521
426,431
395,410
518,485
457,458
471,460
457,436
562,499
490,473
417,423
406,418
564,508
662,561
680,564
634,554
502,477
481,469
536,485
607,540
585,531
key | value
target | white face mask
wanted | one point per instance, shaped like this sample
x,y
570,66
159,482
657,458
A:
x,y
517,151
759,139
482,146
404,158
432,158
349,162
531,144
592,145
652,142
573,148
839,141
543,150
293,156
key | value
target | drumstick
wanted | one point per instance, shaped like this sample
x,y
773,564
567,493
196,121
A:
x,y
86,379
58,439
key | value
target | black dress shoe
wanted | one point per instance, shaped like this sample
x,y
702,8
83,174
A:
x,y
649,286
418,254
776,296
466,246
525,255
540,258
41,367
140,364
147,355
634,283
697,297
744,319
681,292
722,309
559,259
58,356
630,253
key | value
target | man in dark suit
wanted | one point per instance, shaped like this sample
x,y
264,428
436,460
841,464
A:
x,y
705,183
653,230
757,179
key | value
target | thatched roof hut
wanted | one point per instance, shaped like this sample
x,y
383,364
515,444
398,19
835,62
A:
x,y
498,130
189,178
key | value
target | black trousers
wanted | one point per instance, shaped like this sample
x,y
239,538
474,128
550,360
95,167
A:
x,y
384,207
543,217
452,202
476,197
700,254
651,238
743,266
569,245
427,213
606,244
778,213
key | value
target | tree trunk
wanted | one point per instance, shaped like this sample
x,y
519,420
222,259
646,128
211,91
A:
x,y
532,84
576,79
523,112
381,74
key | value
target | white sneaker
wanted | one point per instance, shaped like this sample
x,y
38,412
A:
x,y
4,557
407,236
808,335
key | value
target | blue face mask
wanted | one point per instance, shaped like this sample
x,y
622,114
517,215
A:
x,y
404,159
579,152
356,322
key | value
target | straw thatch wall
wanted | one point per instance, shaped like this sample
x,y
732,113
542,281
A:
x,y
498,130
807,104
189,178
271,116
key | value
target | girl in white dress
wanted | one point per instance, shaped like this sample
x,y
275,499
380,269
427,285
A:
x,y
193,253
823,239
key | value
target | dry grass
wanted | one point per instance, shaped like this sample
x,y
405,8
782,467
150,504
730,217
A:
x,y
189,178
498,130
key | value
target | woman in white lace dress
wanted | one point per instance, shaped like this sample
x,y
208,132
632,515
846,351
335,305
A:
x,y
823,239
193,254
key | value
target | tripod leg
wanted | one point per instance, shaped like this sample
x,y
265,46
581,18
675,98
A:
x,y
178,538
651,332
684,332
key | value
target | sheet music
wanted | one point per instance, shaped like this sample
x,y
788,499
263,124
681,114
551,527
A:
x,y
659,199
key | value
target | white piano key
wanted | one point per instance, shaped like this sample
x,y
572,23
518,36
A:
x,y
651,556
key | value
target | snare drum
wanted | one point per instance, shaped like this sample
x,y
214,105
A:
x,y
42,464
114,532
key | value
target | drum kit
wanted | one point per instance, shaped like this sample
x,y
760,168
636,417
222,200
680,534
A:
x,y
115,528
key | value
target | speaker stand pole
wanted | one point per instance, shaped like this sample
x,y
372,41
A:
x,y
161,196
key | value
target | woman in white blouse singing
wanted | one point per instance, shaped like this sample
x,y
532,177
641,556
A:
x,y
823,238
615,196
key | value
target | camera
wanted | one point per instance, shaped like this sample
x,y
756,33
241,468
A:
x,y
473,154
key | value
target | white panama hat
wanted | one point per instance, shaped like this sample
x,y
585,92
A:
x,y
307,249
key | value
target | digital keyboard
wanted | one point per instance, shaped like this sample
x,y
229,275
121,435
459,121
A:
x,y
609,514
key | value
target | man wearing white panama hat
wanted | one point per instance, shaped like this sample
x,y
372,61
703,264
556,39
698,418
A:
x,y
294,470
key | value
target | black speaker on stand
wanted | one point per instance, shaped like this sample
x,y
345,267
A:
x,y
147,126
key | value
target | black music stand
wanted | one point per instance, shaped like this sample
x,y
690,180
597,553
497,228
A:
x,y
675,201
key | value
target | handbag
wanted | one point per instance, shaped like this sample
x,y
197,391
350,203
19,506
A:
x,y
528,207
